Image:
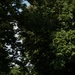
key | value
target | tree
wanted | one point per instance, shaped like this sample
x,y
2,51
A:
x,y
48,32
9,11
5,30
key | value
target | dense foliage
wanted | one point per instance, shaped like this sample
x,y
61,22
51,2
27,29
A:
x,y
47,30
9,47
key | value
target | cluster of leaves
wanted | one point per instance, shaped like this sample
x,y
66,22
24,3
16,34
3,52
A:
x,y
48,37
9,47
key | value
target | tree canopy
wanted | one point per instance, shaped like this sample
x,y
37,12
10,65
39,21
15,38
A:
x,y
47,31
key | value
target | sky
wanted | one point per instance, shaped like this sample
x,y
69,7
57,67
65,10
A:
x,y
27,3
24,2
